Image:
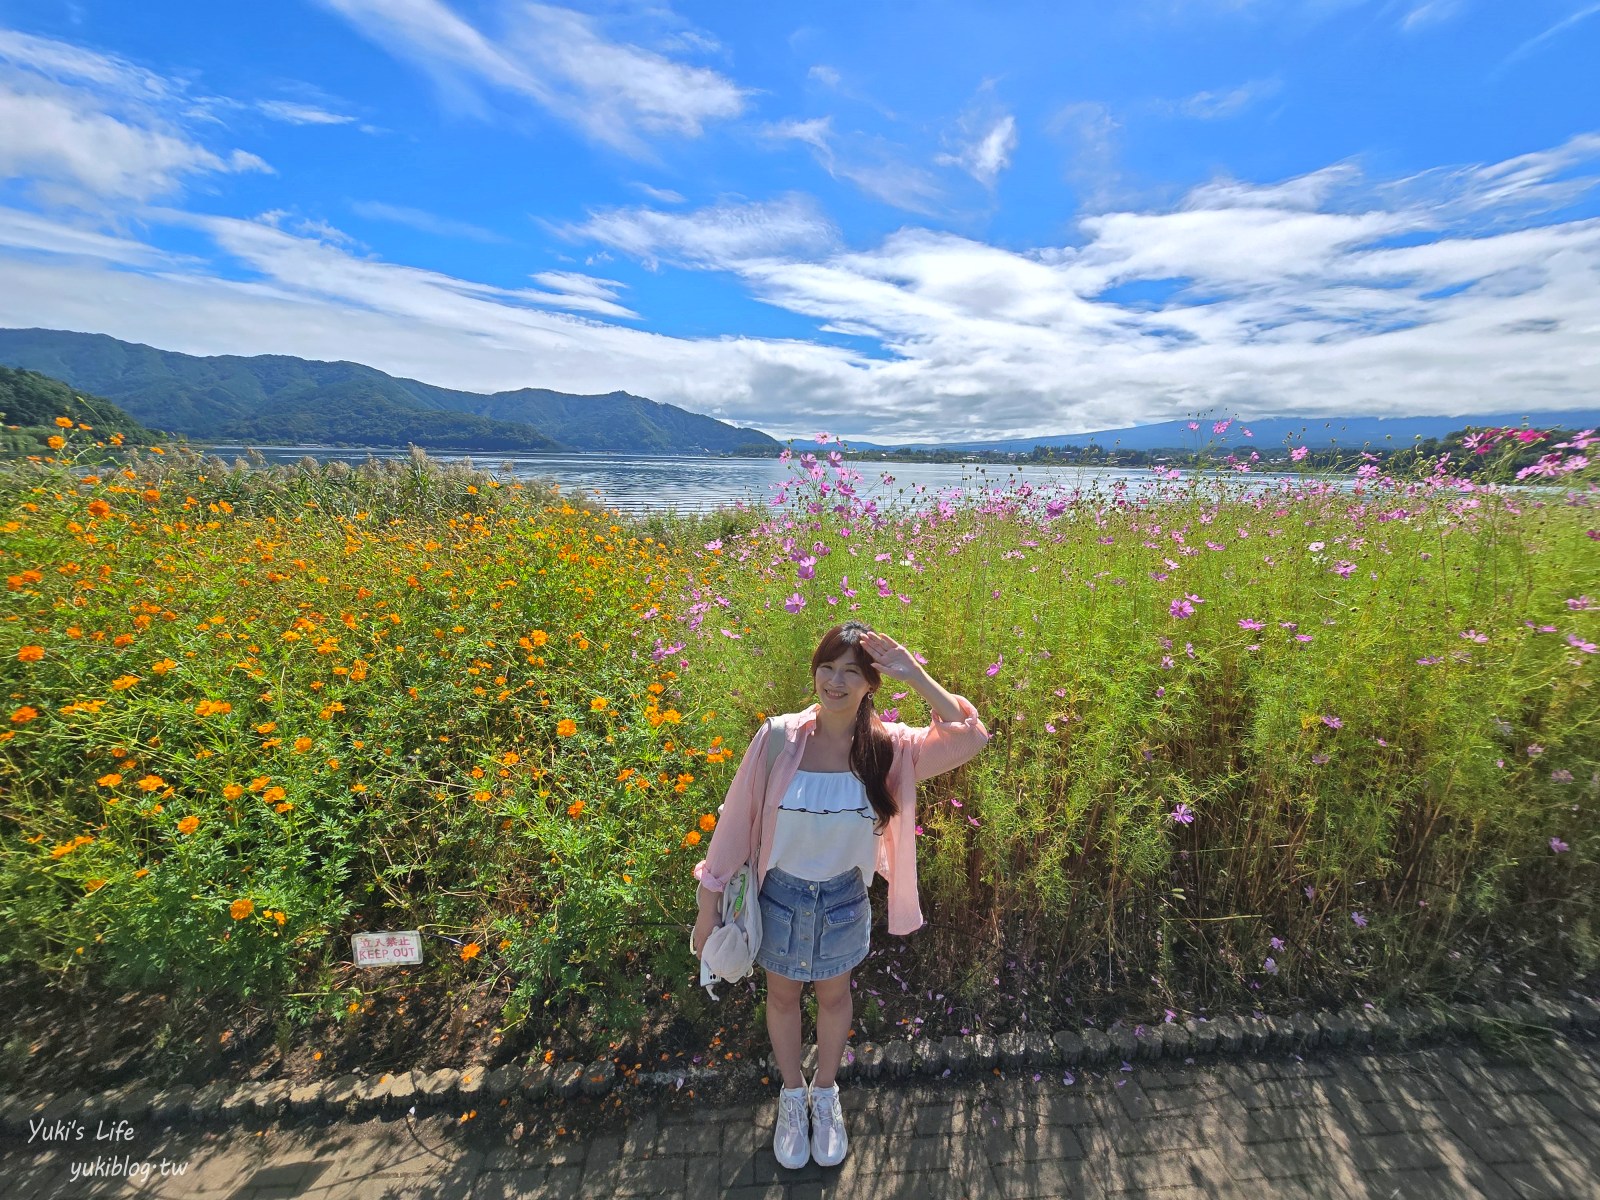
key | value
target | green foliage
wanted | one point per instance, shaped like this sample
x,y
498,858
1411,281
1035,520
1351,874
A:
x,y
278,399
32,402
253,712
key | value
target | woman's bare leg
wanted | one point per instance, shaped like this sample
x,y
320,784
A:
x,y
833,1026
783,1026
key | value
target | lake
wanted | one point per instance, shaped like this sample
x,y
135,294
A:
x,y
641,482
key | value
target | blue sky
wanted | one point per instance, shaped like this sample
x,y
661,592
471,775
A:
x,y
895,222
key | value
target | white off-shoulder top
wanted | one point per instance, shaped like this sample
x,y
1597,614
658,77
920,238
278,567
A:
x,y
825,827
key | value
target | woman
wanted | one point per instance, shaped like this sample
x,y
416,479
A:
x,y
838,806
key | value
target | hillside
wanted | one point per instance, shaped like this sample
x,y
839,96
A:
x,y
275,398
32,402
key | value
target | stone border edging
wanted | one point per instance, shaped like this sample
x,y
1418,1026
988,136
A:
x,y
366,1096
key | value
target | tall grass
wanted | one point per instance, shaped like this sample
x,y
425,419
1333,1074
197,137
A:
x,y
1252,742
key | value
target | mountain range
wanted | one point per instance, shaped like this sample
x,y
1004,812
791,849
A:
x,y
1319,433
278,399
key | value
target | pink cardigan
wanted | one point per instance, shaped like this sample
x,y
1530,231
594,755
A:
x,y
749,816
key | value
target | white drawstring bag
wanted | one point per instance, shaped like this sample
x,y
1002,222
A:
x,y
730,951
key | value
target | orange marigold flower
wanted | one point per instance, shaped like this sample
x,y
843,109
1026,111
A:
x,y
141,872
64,422
266,727
240,909
284,807
99,508
55,441
273,794
566,728
30,653
189,824
575,808
470,950
151,782
93,885
24,714
162,667
110,780
232,791
708,822
302,744
123,682
598,704
538,637
692,838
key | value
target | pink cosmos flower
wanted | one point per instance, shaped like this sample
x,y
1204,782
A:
x,y
1298,453
994,667
1559,846
1250,623
1181,815
1332,722
794,603
1361,922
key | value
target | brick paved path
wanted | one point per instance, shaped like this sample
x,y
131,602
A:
x,y
1445,1121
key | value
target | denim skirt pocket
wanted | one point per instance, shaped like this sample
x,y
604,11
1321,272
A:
x,y
777,927
846,926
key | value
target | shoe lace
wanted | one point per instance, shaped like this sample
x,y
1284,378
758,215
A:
x,y
792,1111
825,1109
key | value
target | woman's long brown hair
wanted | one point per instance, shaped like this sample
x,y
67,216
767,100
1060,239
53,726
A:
x,y
872,751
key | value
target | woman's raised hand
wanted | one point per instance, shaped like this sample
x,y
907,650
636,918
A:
x,y
890,657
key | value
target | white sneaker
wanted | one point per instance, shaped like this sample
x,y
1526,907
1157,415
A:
x,y
828,1140
791,1141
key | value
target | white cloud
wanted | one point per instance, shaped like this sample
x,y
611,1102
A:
x,y
66,63
1554,31
871,164
1090,131
814,132
62,139
660,195
988,153
1288,297
1209,106
426,222
31,233
722,236
559,59
825,75
79,124
1429,13
301,114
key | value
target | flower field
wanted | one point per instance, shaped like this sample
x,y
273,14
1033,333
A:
x,y
1255,744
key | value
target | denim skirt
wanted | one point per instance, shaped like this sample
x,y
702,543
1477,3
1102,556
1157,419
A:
x,y
813,928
